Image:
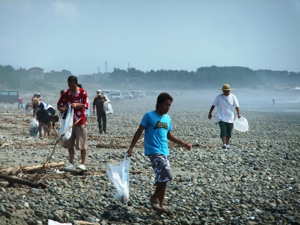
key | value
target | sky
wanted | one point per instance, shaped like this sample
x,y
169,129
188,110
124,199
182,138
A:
x,y
80,36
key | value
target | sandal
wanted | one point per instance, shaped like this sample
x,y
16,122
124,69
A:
x,y
154,204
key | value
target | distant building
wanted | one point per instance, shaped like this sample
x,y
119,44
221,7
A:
x,y
36,73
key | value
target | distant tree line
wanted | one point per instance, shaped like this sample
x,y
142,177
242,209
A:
x,y
11,78
203,77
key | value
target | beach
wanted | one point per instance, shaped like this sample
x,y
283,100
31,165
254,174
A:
x,y
256,182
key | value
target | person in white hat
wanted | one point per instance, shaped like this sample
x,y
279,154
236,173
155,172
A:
x,y
226,103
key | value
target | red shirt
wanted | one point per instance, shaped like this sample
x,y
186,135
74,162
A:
x,y
67,99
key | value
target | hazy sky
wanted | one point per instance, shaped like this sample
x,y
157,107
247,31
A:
x,y
81,35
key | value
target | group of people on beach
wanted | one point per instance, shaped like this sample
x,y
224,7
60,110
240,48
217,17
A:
x,y
156,124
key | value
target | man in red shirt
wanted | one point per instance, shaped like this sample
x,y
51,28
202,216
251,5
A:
x,y
78,99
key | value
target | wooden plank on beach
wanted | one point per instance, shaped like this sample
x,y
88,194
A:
x,y
50,165
15,170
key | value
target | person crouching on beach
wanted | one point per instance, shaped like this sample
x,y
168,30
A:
x,y
225,102
47,119
157,125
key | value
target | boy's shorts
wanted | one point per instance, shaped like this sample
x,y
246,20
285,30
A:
x,y
78,137
225,129
161,166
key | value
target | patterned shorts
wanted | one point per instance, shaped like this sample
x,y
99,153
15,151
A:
x,y
161,166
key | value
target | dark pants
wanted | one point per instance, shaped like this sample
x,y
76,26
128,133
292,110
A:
x,y
225,129
103,118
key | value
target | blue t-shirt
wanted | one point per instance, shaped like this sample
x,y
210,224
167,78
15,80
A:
x,y
156,131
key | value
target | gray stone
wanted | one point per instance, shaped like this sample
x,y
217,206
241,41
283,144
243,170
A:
x,y
2,209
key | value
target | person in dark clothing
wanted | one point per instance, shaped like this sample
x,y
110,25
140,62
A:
x,y
98,103
47,119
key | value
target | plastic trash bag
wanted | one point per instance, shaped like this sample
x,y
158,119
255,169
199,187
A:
x,y
119,175
108,108
66,123
34,127
241,124
87,113
52,222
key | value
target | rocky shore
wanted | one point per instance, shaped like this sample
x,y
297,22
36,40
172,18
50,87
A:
x,y
256,182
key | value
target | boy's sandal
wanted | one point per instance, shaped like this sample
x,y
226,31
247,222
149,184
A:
x,y
154,204
153,201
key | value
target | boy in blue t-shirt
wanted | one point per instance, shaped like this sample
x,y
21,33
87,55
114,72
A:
x,y
157,125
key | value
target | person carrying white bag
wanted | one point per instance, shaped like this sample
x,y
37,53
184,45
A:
x,y
77,99
225,103
157,125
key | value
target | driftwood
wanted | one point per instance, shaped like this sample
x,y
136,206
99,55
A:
x,y
11,170
16,170
31,168
12,180
74,172
49,158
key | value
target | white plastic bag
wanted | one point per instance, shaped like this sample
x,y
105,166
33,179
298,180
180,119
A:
x,y
87,113
66,123
52,222
108,107
241,124
34,127
119,175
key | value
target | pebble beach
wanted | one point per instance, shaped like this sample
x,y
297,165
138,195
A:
x,y
256,182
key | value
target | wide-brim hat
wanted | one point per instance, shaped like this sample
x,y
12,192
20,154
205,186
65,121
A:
x,y
99,92
226,87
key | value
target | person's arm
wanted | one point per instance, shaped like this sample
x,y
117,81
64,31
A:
x,y
171,137
34,110
94,106
53,126
238,112
78,105
136,137
94,109
84,105
210,111
61,108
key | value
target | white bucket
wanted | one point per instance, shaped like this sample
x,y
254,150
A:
x,y
241,124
